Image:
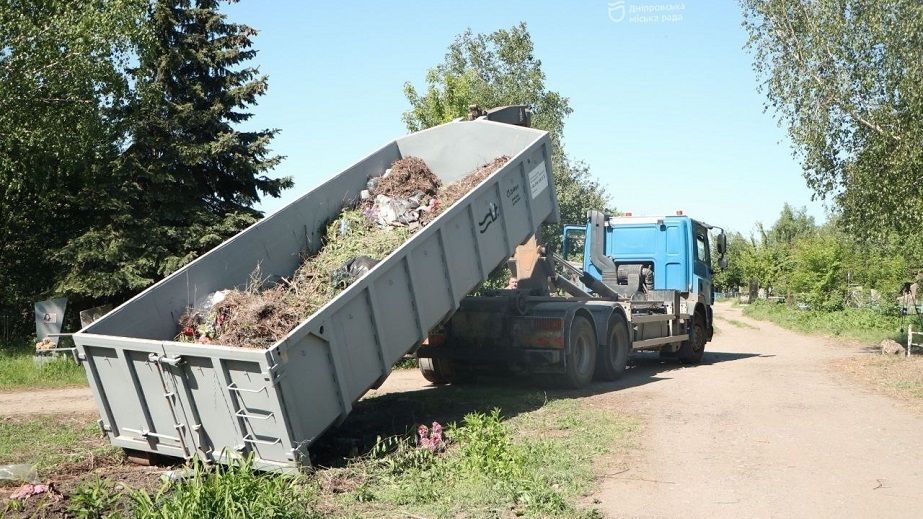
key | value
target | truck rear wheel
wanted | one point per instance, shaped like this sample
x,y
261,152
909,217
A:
x,y
612,358
440,371
580,355
692,350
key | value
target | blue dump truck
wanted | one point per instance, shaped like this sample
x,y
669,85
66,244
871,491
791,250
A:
x,y
622,283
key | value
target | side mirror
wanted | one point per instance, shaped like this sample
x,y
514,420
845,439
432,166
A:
x,y
723,263
722,243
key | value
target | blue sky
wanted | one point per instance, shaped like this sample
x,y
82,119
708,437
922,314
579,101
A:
x,y
666,111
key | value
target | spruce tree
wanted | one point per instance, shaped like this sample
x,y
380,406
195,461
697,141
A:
x,y
187,178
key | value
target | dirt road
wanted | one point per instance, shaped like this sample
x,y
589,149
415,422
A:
x,y
72,400
764,429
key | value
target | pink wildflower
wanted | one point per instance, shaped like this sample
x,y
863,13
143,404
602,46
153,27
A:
x,y
430,440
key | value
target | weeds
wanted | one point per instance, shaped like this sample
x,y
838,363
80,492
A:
x,y
491,465
97,499
232,492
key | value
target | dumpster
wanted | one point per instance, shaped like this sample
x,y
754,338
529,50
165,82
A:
x,y
159,396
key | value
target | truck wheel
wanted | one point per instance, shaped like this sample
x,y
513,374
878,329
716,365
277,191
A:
x,y
580,354
610,363
441,371
692,350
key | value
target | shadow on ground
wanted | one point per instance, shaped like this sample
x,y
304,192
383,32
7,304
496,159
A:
x,y
401,413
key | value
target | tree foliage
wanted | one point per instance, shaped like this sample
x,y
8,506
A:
x,y
846,78
820,265
120,159
186,179
61,83
497,69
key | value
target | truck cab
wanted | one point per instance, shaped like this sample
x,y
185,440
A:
x,y
665,252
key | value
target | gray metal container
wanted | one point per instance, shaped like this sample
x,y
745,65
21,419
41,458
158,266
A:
x,y
188,400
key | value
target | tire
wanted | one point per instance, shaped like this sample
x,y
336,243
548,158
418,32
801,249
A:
x,y
612,358
692,350
580,355
441,371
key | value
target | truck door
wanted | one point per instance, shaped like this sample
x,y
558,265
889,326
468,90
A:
x,y
702,264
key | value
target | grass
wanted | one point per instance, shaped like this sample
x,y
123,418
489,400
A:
x,y
539,460
232,492
536,464
55,444
19,371
863,325
897,376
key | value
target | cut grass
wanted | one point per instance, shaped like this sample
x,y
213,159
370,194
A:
x,y
896,376
19,371
55,444
863,325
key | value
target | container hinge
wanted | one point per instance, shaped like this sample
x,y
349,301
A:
x,y
175,360
79,357
274,374
103,427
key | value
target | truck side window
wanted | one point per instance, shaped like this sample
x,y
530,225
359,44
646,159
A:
x,y
701,245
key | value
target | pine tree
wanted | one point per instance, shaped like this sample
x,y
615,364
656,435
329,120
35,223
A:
x,y
187,178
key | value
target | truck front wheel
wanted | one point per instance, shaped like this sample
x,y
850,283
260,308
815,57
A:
x,y
610,364
692,350
580,355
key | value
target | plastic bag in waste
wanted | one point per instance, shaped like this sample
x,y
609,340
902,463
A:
x,y
18,472
352,270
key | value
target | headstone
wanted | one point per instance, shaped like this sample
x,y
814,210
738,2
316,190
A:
x,y
49,318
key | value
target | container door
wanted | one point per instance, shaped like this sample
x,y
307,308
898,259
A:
x,y
136,398
228,403
175,372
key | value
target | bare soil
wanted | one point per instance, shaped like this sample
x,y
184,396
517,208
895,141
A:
x,y
72,400
767,426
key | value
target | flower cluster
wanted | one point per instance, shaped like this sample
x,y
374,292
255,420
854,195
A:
x,y
431,439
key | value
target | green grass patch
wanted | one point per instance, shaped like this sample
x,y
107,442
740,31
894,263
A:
x,y
863,325
55,444
18,370
537,464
